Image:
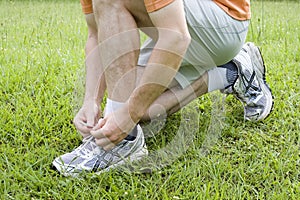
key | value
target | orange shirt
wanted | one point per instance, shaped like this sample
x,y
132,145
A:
x,y
153,5
87,6
238,9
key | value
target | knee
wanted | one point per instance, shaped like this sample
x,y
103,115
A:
x,y
98,5
102,5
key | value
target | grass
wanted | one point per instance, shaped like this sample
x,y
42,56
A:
x,y
41,60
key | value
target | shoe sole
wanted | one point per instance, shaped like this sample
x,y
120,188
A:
x,y
260,70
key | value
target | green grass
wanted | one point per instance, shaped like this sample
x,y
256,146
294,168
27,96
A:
x,y
41,60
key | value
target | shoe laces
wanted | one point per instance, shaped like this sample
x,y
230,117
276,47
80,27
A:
x,y
87,147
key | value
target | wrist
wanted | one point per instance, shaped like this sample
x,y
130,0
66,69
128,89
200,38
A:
x,y
90,101
136,110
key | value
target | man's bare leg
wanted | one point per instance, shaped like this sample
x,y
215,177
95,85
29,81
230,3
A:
x,y
175,97
119,46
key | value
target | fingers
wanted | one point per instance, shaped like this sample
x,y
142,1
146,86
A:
x,y
98,132
100,124
105,137
108,143
86,119
90,121
112,129
86,125
82,127
105,143
92,117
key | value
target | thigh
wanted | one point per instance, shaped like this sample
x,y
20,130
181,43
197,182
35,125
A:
x,y
214,31
216,39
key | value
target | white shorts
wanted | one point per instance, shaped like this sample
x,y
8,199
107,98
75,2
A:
x,y
216,39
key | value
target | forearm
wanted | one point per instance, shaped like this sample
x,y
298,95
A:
x,y
173,41
95,81
159,72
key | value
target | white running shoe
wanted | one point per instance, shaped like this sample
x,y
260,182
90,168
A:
x,y
89,157
251,87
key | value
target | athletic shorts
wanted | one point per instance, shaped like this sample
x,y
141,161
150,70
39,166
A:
x,y
216,39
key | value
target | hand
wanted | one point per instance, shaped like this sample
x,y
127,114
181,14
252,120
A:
x,y
87,118
113,128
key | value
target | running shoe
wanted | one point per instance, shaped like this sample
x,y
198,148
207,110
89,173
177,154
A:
x,y
89,157
251,87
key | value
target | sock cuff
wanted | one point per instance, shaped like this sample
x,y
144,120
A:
x,y
111,106
216,79
231,72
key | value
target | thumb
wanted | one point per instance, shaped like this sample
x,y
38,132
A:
x,y
90,120
92,116
100,124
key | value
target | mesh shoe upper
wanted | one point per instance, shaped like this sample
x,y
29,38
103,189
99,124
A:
x,y
90,157
251,87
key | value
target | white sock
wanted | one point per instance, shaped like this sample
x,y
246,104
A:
x,y
217,79
114,105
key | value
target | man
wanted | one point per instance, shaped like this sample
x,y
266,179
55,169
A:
x,y
188,39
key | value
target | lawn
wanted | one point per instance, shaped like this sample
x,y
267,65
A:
x,y
42,68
